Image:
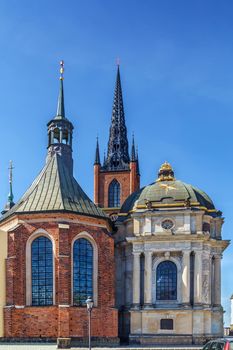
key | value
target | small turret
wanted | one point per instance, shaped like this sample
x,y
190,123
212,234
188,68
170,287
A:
x,y
10,202
97,153
133,153
60,129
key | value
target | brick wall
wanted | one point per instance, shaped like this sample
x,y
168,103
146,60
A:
x,y
59,320
128,179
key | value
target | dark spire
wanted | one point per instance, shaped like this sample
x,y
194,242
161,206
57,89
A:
x,y
133,154
10,203
137,159
118,154
97,153
60,105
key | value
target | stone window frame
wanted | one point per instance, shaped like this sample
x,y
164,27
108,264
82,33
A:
x,y
168,331
155,264
36,234
90,239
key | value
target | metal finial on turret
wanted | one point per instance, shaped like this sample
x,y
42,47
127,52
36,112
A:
x,y
11,196
62,70
61,104
10,203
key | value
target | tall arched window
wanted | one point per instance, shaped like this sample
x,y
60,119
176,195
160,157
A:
x,y
82,271
114,194
166,281
42,271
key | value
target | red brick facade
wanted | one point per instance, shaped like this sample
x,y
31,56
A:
x,y
61,319
129,182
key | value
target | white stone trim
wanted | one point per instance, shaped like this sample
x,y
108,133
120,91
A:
x,y
38,233
87,236
155,264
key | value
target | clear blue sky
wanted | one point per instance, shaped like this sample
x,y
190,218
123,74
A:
x,y
177,79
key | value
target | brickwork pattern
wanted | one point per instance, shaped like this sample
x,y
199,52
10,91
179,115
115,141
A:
x,y
62,319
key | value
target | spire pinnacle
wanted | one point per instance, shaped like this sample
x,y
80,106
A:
x,y
97,153
133,154
60,104
10,197
137,160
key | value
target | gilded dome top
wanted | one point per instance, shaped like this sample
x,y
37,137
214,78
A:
x,y
168,192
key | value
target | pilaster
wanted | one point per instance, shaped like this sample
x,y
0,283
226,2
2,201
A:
x,y
148,280
136,279
186,278
198,277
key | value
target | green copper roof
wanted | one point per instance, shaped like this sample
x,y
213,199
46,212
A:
x,y
55,189
166,193
61,104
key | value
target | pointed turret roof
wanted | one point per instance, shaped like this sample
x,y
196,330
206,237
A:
x,y
118,154
61,105
55,189
133,154
97,153
137,159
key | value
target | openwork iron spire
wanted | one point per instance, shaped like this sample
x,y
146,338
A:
x,y
118,154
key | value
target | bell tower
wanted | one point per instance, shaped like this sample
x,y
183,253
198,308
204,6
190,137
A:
x,y
118,176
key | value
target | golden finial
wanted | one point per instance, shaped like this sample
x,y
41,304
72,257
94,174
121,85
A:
x,y
166,172
61,69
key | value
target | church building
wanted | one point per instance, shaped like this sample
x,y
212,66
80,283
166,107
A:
x,y
149,257
60,251
168,247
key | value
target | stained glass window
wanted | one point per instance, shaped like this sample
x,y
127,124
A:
x,y
166,281
114,194
42,271
82,271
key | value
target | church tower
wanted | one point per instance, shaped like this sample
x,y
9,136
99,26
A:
x,y
57,242
118,176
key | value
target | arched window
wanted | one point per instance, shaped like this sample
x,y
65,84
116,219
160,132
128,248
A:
x,y
56,135
82,271
166,281
114,194
65,136
42,271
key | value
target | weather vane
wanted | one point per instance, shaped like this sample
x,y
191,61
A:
x,y
61,69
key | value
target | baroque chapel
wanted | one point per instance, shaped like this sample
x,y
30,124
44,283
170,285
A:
x,y
149,257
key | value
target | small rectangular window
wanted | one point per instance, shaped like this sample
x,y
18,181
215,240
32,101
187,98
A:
x,y
166,323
